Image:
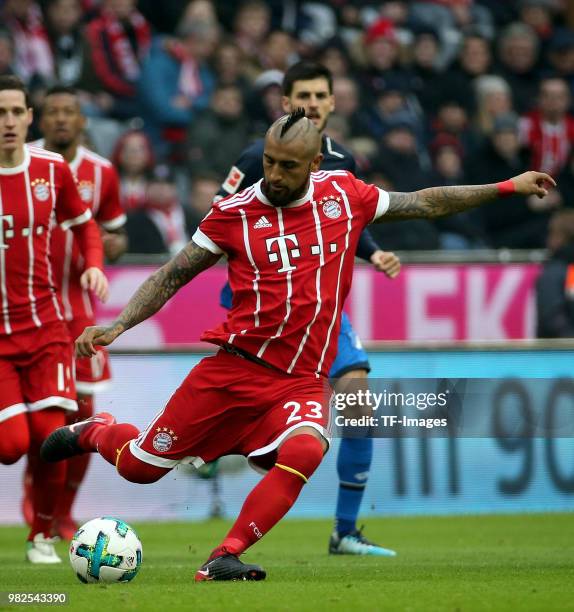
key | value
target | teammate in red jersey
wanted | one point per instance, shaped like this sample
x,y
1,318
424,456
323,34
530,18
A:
x,y
62,125
36,354
290,240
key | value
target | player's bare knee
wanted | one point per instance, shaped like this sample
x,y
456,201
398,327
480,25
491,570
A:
x,y
134,470
353,384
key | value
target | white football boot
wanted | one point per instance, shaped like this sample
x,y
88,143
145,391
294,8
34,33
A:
x,y
41,550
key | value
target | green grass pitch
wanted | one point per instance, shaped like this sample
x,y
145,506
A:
x,y
505,562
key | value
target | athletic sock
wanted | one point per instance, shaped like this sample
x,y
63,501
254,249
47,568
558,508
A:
x,y
108,440
76,467
353,463
270,500
48,482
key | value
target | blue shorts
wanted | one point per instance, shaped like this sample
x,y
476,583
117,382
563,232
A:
x,y
350,352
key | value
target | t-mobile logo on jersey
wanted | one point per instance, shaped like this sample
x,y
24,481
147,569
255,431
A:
x,y
255,529
284,251
8,221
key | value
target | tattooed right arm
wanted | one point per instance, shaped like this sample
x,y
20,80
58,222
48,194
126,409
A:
x,y
163,284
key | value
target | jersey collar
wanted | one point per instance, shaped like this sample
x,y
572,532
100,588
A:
x,y
20,167
262,198
77,159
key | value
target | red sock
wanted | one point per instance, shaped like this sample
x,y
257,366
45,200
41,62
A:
x,y
27,504
48,478
76,467
270,500
109,440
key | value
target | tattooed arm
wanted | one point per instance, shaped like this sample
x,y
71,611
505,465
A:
x,y
441,201
150,297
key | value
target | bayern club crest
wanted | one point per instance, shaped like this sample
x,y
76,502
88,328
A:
x,y
86,189
331,206
41,189
163,439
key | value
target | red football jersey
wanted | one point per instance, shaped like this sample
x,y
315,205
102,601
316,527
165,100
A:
x,y
549,144
30,194
290,268
98,185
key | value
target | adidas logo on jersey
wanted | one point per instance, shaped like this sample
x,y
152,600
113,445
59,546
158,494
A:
x,y
263,222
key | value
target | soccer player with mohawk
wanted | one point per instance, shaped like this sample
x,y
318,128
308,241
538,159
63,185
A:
x,y
265,393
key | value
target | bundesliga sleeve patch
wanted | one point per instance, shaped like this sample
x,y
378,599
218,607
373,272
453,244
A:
x,y
233,180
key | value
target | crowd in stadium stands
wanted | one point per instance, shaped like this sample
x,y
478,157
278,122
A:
x,y
435,92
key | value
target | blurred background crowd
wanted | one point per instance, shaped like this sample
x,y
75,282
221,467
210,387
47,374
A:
x,y
435,92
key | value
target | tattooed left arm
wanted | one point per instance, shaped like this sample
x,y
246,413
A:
x,y
442,201
150,297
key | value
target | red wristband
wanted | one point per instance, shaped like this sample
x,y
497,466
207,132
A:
x,y
505,188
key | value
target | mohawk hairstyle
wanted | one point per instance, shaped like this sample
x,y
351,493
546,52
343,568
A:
x,y
296,115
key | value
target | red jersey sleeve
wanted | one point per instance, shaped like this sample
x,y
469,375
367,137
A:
x,y
70,209
110,214
213,232
372,202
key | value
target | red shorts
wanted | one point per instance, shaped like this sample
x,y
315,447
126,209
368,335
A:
x,y
36,370
92,373
230,406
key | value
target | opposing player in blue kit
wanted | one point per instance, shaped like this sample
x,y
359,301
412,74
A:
x,y
310,86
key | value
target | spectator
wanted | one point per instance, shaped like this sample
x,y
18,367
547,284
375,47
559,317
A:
x,y
458,15
548,131
6,52
314,24
381,60
425,68
561,56
460,231
518,53
118,40
63,24
348,104
399,161
474,60
158,227
452,118
565,183
509,223
176,83
555,285
451,18
335,57
204,188
399,155
133,159
493,98
278,51
251,26
33,61
447,159
539,15
265,106
223,122
229,67
391,104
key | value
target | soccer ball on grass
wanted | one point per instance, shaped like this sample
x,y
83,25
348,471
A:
x,y
105,550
